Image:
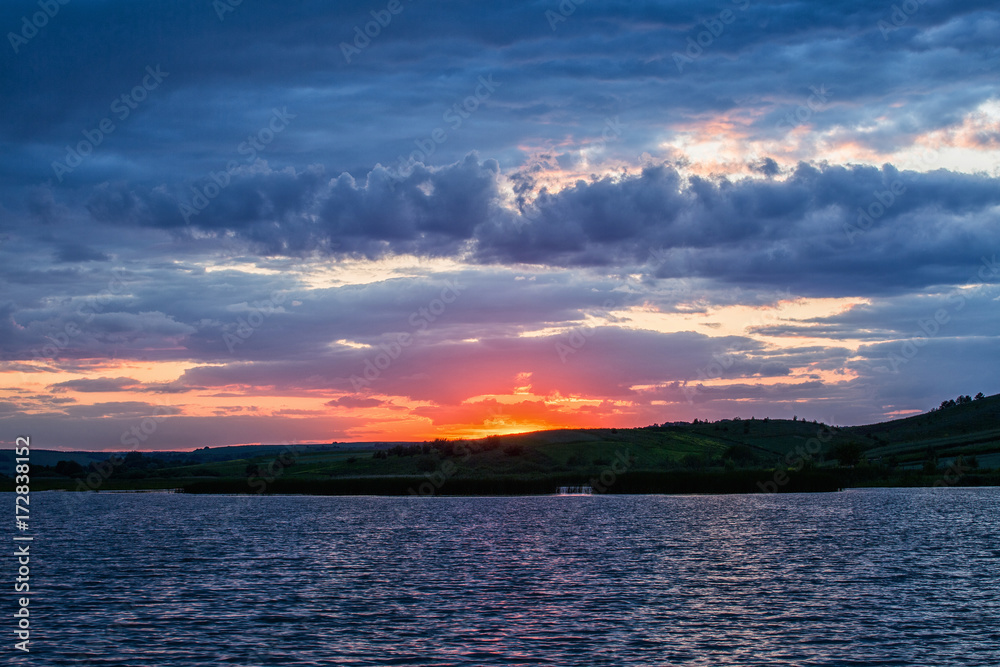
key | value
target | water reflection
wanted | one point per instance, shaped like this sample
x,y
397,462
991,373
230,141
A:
x,y
860,577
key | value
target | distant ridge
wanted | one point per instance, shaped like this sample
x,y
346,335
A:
x,y
729,455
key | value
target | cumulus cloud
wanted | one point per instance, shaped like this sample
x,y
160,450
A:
x,y
176,235
824,229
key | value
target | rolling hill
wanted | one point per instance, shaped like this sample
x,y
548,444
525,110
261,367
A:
x,y
885,451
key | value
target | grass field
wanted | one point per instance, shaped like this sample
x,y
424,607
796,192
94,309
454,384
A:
x,y
727,449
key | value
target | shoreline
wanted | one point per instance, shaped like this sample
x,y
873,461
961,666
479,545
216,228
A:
x,y
632,483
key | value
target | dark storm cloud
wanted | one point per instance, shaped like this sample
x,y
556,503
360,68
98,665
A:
x,y
351,115
782,236
823,230
555,84
329,188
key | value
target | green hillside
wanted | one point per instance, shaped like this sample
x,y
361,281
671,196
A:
x,y
964,429
963,433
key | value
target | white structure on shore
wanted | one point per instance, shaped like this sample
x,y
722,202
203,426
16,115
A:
x,y
576,490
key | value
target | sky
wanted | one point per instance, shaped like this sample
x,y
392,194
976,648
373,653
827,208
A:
x,y
270,222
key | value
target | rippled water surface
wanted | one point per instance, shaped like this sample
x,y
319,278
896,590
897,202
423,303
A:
x,y
864,577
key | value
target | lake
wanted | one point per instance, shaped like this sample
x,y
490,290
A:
x,y
861,577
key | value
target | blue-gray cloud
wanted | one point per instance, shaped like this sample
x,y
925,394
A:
x,y
185,168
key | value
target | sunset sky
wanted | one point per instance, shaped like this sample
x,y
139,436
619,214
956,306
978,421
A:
x,y
236,223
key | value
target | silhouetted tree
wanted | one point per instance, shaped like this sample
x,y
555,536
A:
x,y
740,454
848,453
69,468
